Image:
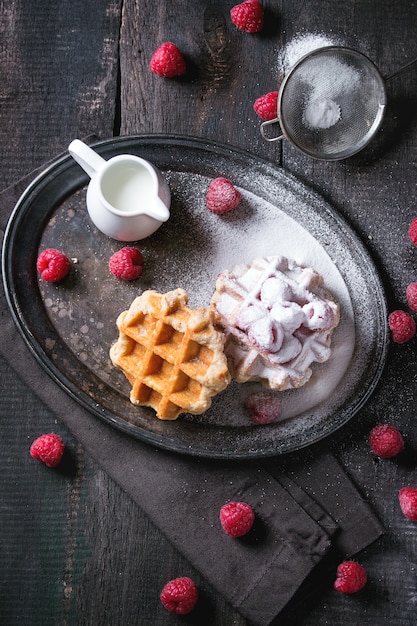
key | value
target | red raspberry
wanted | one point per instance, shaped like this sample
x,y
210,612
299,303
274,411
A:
x,y
236,518
386,441
222,196
408,502
248,16
179,595
351,577
412,231
53,265
126,263
264,407
48,449
411,294
167,61
402,325
266,106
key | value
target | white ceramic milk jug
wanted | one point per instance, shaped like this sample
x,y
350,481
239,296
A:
x,y
127,198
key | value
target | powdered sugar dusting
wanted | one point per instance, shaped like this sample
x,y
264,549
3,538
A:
x,y
301,45
321,113
277,215
258,227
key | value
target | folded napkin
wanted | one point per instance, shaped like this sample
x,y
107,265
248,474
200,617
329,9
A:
x,y
306,506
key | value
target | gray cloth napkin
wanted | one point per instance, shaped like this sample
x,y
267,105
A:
x,y
301,516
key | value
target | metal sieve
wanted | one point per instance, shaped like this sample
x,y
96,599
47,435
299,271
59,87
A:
x,y
331,103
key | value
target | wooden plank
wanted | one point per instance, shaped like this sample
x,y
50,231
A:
x,y
58,64
372,191
74,548
227,71
58,86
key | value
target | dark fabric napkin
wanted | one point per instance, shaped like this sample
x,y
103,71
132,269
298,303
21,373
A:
x,y
303,513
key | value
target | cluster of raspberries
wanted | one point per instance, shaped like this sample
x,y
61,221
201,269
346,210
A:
x,y
401,323
237,518
387,442
127,263
53,265
180,595
169,62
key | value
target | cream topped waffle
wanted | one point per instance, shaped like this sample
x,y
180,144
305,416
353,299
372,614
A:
x,y
172,355
278,319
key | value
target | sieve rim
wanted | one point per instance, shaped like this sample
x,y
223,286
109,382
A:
x,y
373,129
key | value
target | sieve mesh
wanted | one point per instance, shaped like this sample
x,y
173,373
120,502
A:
x,y
340,80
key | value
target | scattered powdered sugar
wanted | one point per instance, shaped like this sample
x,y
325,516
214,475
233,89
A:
x,y
277,215
258,227
300,46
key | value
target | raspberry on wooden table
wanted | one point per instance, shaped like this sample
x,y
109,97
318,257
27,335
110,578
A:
x,y
411,295
53,265
168,61
126,263
266,106
408,502
351,577
402,326
237,518
48,449
222,196
386,441
248,16
179,595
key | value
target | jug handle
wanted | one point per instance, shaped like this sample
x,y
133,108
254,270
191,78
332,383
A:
x,y
268,123
90,161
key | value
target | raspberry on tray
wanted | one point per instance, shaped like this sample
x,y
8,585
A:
x,y
222,196
264,407
53,265
126,263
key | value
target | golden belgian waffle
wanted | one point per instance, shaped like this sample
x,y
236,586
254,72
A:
x,y
278,318
172,355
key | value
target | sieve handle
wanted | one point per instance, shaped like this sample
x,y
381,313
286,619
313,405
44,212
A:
x,y
269,123
400,70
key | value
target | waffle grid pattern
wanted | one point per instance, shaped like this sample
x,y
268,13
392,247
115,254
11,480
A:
x,y
171,355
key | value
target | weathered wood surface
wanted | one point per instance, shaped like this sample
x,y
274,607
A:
x,y
74,549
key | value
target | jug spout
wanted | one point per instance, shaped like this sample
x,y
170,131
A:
x,y
159,211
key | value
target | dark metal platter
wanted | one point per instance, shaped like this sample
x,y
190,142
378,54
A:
x,y
70,326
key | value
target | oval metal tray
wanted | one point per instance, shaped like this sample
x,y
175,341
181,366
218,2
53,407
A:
x,y
70,326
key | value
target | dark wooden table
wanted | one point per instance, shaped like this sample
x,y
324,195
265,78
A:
x,y
77,550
